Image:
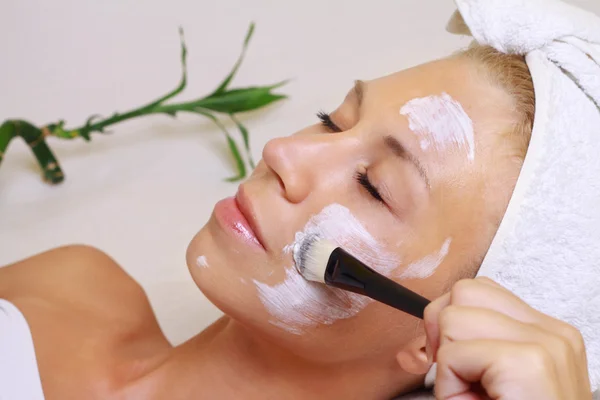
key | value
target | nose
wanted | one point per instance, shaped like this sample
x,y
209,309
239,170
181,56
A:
x,y
299,161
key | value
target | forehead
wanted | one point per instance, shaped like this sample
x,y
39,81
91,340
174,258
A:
x,y
455,82
454,76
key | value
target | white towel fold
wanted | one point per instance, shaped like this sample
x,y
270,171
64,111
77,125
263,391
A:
x,y
19,375
547,248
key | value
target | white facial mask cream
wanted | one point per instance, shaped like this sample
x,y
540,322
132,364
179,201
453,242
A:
x,y
202,262
426,266
440,122
296,303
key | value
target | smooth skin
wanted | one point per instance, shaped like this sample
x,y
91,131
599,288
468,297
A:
x,y
96,336
98,339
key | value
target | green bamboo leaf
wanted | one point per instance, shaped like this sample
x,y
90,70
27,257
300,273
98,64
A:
x,y
240,100
241,166
246,137
233,148
183,80
223,86
249,34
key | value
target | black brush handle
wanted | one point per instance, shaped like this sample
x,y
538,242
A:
x,y
395,295
346,272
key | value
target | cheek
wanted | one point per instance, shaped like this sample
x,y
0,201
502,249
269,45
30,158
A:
x,y
297,305
338,225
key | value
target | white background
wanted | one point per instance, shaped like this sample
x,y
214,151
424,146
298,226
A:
x,y
142,192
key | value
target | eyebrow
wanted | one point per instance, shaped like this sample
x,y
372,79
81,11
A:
x,y
390,141
401,151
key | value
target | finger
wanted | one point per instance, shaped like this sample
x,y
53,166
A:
x,y
481,292
568,333
504,369
496,297
470,396
564,341
520,310
458,323
489,281
485,293
431,321
465,292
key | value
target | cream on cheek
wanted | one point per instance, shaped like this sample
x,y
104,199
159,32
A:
x,y
426,266
296,304
202,262
441,122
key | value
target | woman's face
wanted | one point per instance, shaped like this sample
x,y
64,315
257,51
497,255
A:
x,y
410,174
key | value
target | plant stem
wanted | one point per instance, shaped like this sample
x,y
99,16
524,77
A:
x,y
36,140
223,100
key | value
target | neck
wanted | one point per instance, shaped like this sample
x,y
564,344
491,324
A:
x,y
228,361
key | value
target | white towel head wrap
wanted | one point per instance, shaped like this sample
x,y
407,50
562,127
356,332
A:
x,y
547,248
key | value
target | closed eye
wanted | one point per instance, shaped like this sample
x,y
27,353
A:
x,y
364,181
361,177
326,121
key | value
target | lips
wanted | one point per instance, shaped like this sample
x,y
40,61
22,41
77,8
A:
x,y
236,216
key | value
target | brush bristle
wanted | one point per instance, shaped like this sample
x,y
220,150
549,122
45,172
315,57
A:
x,y
315,257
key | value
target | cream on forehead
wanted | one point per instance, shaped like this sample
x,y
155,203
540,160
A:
x,y
296,303
441,122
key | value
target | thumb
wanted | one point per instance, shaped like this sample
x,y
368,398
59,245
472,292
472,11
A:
x,y
505,370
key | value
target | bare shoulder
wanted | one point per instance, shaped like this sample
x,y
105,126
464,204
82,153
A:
x,y
76,274
91,323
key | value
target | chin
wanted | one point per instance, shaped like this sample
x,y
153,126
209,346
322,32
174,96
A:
x,y
228,281
237,297
225,275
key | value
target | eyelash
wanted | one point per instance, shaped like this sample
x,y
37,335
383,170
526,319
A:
x,y
327,122
363,179
360,177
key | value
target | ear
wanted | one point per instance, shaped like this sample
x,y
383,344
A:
x,y
413,357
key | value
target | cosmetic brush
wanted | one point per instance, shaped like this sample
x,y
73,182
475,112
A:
x,y
319,260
